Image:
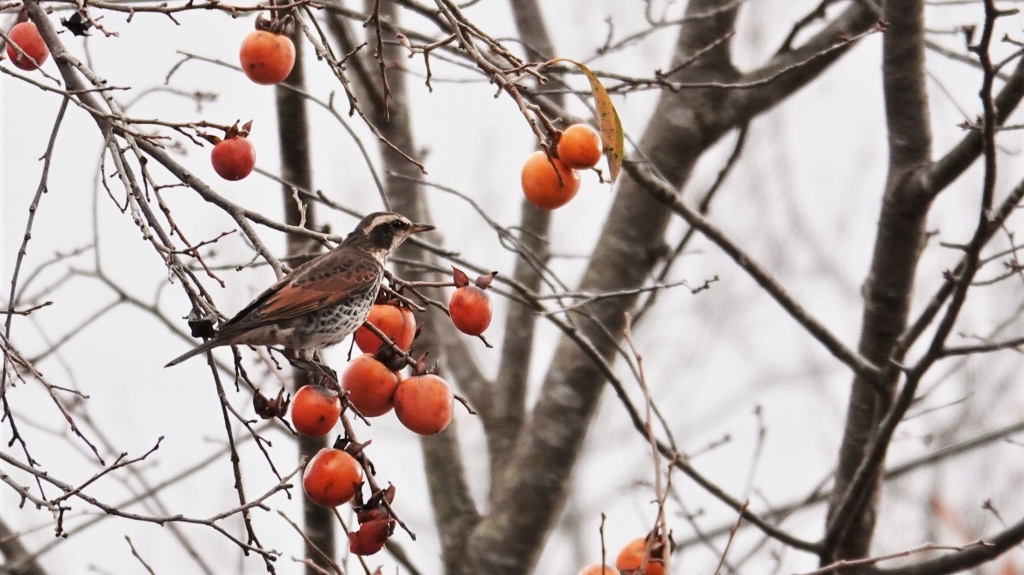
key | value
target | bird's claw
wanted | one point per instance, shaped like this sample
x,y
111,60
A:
x,y
319,373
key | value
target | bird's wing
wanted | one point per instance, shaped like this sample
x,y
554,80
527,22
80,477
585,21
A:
x,y
319,283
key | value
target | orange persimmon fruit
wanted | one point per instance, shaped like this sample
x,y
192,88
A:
x,y
370,385
26,36
398,323
267,58
580,147
332,477
543,186
315,410
424,404
632,557
233,158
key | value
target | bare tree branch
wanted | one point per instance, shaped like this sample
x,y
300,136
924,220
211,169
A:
x,y
968,558
665,194
889,286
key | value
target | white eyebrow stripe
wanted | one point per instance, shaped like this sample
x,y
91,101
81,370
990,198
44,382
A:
x,y
380,220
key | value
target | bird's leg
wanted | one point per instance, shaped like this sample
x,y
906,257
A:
x,y
325,369
319,372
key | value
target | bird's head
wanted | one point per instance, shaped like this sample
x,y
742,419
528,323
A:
x,y
385,231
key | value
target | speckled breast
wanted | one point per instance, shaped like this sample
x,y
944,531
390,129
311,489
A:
x,y
332,324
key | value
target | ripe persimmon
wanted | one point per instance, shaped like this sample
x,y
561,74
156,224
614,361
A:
x,y
580,147
26,36
267,58
370,385
424,404
332,477
596,569
632,556
233,158
541,183
315,410
470,309
398,323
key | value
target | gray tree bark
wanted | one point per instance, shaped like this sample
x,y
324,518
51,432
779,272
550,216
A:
x,y
293,138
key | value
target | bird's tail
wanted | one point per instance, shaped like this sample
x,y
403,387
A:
x,y
207,346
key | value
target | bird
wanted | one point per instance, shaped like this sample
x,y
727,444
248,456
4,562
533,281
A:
x,y
324,300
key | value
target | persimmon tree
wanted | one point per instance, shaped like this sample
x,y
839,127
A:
x,y
749,250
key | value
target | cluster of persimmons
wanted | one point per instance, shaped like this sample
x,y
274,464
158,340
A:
x,y
371,385
550,182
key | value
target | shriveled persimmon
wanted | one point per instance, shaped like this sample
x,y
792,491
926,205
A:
x,y
632,556
469,306
424,403
543,186
598,569
315,410
580,147
398,323
267,58
371,535
370,385
332,477
26,36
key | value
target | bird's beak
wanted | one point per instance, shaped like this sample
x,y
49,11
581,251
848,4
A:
x,y
417,228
